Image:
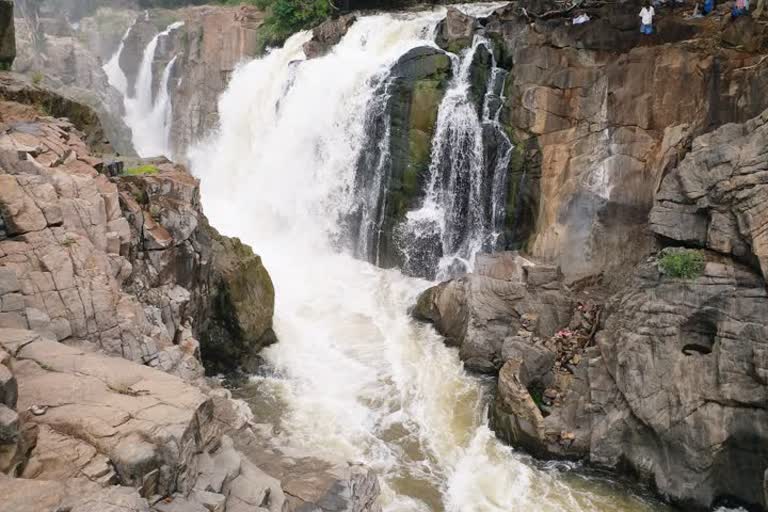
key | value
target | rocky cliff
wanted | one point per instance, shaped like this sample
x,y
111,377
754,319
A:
x,y
109,276
608,348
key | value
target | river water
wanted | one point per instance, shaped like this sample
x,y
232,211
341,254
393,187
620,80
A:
x,y
355,378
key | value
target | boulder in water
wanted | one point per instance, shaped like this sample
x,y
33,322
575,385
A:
x,y
327,35
456,31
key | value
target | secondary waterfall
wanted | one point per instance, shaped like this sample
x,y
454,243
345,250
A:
x,y
464,204
146,114
354,377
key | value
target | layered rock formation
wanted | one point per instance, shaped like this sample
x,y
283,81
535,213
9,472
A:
x,y
669,379
108,277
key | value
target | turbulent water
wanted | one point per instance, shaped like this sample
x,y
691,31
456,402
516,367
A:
x,y
354,377
147,114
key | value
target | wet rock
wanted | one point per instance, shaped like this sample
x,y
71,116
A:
x,y
327,35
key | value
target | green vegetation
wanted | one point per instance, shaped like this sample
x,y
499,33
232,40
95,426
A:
x,y
37,77
142,170
286,17
682,263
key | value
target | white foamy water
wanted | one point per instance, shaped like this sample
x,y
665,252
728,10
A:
x,y
146,114
357,378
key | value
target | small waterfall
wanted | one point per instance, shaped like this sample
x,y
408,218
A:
x,y
114,72
463,211
148,117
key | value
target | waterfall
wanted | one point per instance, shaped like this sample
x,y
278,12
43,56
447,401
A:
x,y
148,116
112,69
354,377
463,210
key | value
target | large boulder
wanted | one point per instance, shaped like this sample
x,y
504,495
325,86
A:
x,y
456,31
479,312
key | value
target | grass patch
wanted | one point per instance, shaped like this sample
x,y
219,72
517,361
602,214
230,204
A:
x,y
286,17
37,77
142,170
682,263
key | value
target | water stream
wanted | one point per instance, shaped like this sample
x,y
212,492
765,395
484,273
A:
x,y
355,378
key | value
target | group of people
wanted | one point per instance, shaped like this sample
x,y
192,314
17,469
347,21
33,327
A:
x,y
740,8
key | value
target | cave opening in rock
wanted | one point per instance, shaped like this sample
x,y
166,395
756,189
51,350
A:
x,y
699,333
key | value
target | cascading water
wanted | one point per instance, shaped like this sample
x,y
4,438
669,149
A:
x,y
148,117
465,197
355,378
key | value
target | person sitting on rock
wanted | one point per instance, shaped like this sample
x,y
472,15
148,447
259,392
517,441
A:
x,y
739,9
709,6
646,19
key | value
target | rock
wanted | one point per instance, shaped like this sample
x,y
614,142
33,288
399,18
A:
x,y
456,31
7,36
242,302
75,495
327,35
127,412
714,197
744,32
9,425
9,391
408,115
478,313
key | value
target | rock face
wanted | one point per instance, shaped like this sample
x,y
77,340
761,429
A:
x,y
483,312
598,118
670,379
715,198
55,56
106,281
191,275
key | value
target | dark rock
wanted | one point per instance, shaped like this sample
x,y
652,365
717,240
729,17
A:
x,y
7,35
9,389
744,32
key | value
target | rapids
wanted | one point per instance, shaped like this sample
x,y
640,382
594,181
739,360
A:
x,y
354,377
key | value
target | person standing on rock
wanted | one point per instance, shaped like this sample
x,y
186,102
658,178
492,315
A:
x,y
646,19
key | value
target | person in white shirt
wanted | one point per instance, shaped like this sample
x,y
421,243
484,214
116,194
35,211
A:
x,y
646,19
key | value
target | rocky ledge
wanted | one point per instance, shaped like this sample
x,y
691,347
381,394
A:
x,y
664,374
109,276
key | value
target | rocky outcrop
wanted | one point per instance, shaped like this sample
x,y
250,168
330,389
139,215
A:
x,y
108,273
456,31
670,379
192,276
715,198
326,35
485,312
57,57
